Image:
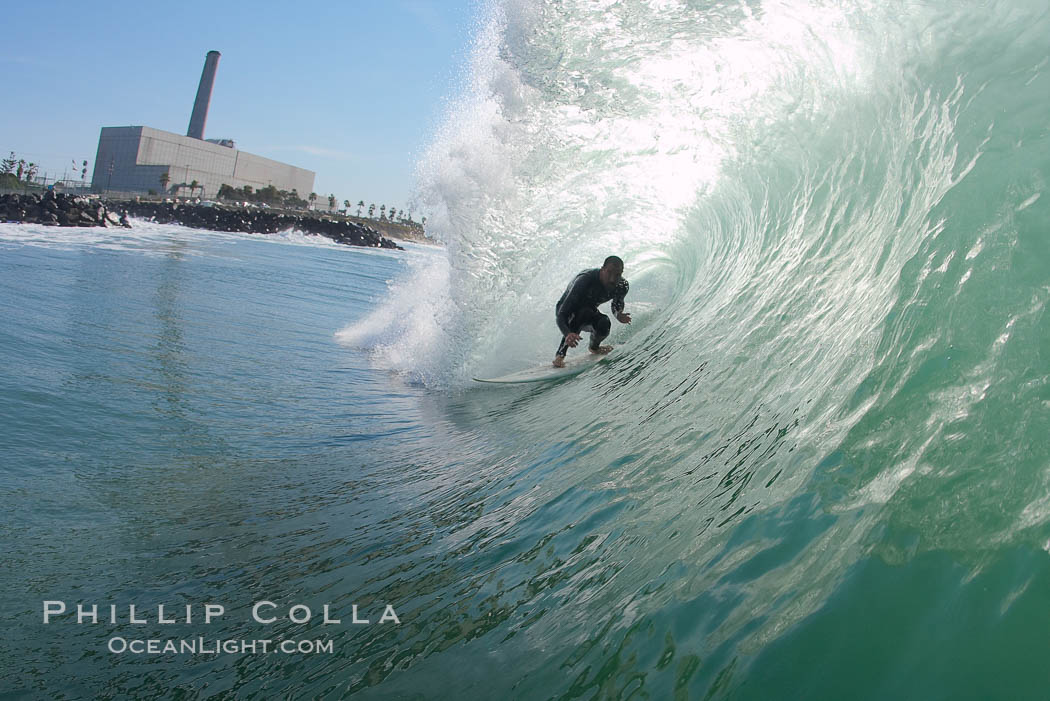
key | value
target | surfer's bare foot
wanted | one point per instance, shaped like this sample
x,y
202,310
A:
x,y
601,350
559,361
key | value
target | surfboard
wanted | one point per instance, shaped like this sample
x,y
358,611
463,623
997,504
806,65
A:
x,y
574,365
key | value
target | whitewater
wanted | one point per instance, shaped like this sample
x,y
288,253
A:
x,y
816,466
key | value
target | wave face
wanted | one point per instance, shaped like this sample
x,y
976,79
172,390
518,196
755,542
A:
x,y
834,222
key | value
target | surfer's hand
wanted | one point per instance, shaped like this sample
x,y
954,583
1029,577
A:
x,y
572,339
623,318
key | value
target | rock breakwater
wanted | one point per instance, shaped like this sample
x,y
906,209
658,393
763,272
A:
x,y
58,209
251,220
51,209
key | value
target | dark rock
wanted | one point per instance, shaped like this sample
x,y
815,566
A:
x,y
56,208
258,221
52,209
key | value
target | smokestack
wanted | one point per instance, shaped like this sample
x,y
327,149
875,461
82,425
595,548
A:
x,y
200,105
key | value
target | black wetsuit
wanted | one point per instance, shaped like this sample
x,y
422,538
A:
x,y
577,310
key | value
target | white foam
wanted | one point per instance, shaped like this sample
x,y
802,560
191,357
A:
x,y
408,331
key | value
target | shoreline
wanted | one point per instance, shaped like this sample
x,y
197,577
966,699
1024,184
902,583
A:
x,y
62,210
253,220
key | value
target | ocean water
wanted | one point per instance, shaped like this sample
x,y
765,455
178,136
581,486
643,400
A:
x,y
815,467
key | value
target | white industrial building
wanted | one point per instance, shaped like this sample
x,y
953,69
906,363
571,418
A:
x,y
132,159
135,159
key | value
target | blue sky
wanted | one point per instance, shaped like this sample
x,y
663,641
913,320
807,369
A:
x,y
353,90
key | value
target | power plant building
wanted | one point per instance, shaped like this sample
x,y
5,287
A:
x,y
134,158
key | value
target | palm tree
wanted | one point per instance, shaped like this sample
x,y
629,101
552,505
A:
x,y
193,187
360,204
346,206
312,198
164,180
382,213
331,202
371,210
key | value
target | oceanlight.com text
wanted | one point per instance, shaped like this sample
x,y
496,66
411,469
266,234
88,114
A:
x,y
203,646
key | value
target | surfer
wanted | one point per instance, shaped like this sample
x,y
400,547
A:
x,y
577,310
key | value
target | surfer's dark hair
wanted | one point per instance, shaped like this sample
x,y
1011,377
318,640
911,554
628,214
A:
x,y
613,260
